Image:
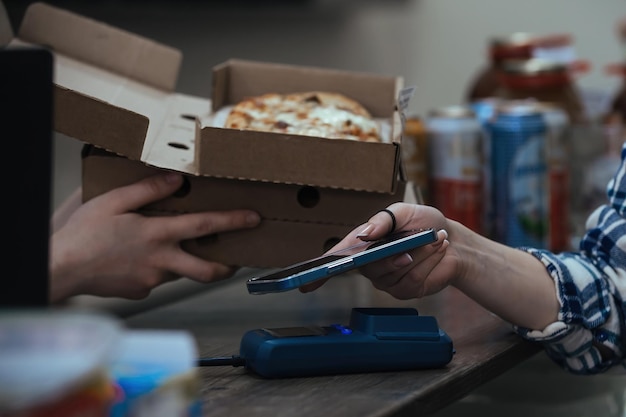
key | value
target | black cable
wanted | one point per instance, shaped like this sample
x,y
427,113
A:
x,y
233,360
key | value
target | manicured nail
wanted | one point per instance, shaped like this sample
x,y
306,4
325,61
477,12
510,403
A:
x,y
172,177
402,260
366,231
445,232
253,219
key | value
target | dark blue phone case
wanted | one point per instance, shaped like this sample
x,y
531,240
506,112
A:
x,y
336,263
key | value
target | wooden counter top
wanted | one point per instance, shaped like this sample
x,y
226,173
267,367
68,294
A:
x,y
485,348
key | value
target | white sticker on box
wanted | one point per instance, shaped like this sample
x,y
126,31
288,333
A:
x,y
404,97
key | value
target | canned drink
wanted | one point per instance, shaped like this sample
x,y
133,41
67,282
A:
x,y
415,156
485,110
455,141
557,123
519,172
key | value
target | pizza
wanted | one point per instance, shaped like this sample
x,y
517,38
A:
x,y
315,113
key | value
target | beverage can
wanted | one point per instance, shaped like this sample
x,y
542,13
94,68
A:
x,y
485,110
520,188
557,124
415,156
455,142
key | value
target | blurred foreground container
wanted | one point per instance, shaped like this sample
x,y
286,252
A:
x,y
68,363
55,363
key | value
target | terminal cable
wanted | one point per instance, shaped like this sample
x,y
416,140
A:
x,y
234,360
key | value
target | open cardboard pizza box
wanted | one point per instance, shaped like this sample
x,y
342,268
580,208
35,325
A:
x,y
115,92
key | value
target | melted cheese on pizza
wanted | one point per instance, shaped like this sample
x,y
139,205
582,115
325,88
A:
x,y
324,115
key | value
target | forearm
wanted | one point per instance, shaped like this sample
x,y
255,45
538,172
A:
x,y
62,281
509,282
66,209
70,267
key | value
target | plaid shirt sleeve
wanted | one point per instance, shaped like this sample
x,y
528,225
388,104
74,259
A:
x,y
591,288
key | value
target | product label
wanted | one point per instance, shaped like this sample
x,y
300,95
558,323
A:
x,y
564,54
558,189
456,161
457,156
527,222
460,200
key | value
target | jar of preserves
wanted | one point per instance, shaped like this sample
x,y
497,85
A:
x,y
501,48
542,80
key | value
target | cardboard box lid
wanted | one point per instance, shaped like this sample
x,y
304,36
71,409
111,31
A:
x,y
115,90
102,46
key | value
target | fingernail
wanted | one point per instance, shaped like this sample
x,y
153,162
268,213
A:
x,y
402,260
445,232
366,231
253,219
172,177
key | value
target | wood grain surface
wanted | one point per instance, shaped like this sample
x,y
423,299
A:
x,y
485,348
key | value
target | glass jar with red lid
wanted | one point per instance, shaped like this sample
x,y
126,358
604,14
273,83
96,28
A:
x,y
544,81
501,48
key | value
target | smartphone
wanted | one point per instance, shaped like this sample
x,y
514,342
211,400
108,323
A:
x,y
338,262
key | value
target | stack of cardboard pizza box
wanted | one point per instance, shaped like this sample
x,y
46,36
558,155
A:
x,y
115,91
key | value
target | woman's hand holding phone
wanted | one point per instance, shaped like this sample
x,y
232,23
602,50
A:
x,y
342,258
388,272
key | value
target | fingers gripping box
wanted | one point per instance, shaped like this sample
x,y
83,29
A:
x,y
115,91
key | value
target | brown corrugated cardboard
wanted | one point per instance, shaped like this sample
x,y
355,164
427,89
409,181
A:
x,y
299,222
115,91
302,160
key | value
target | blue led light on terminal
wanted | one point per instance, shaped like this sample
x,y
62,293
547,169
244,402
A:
x,y
342,329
